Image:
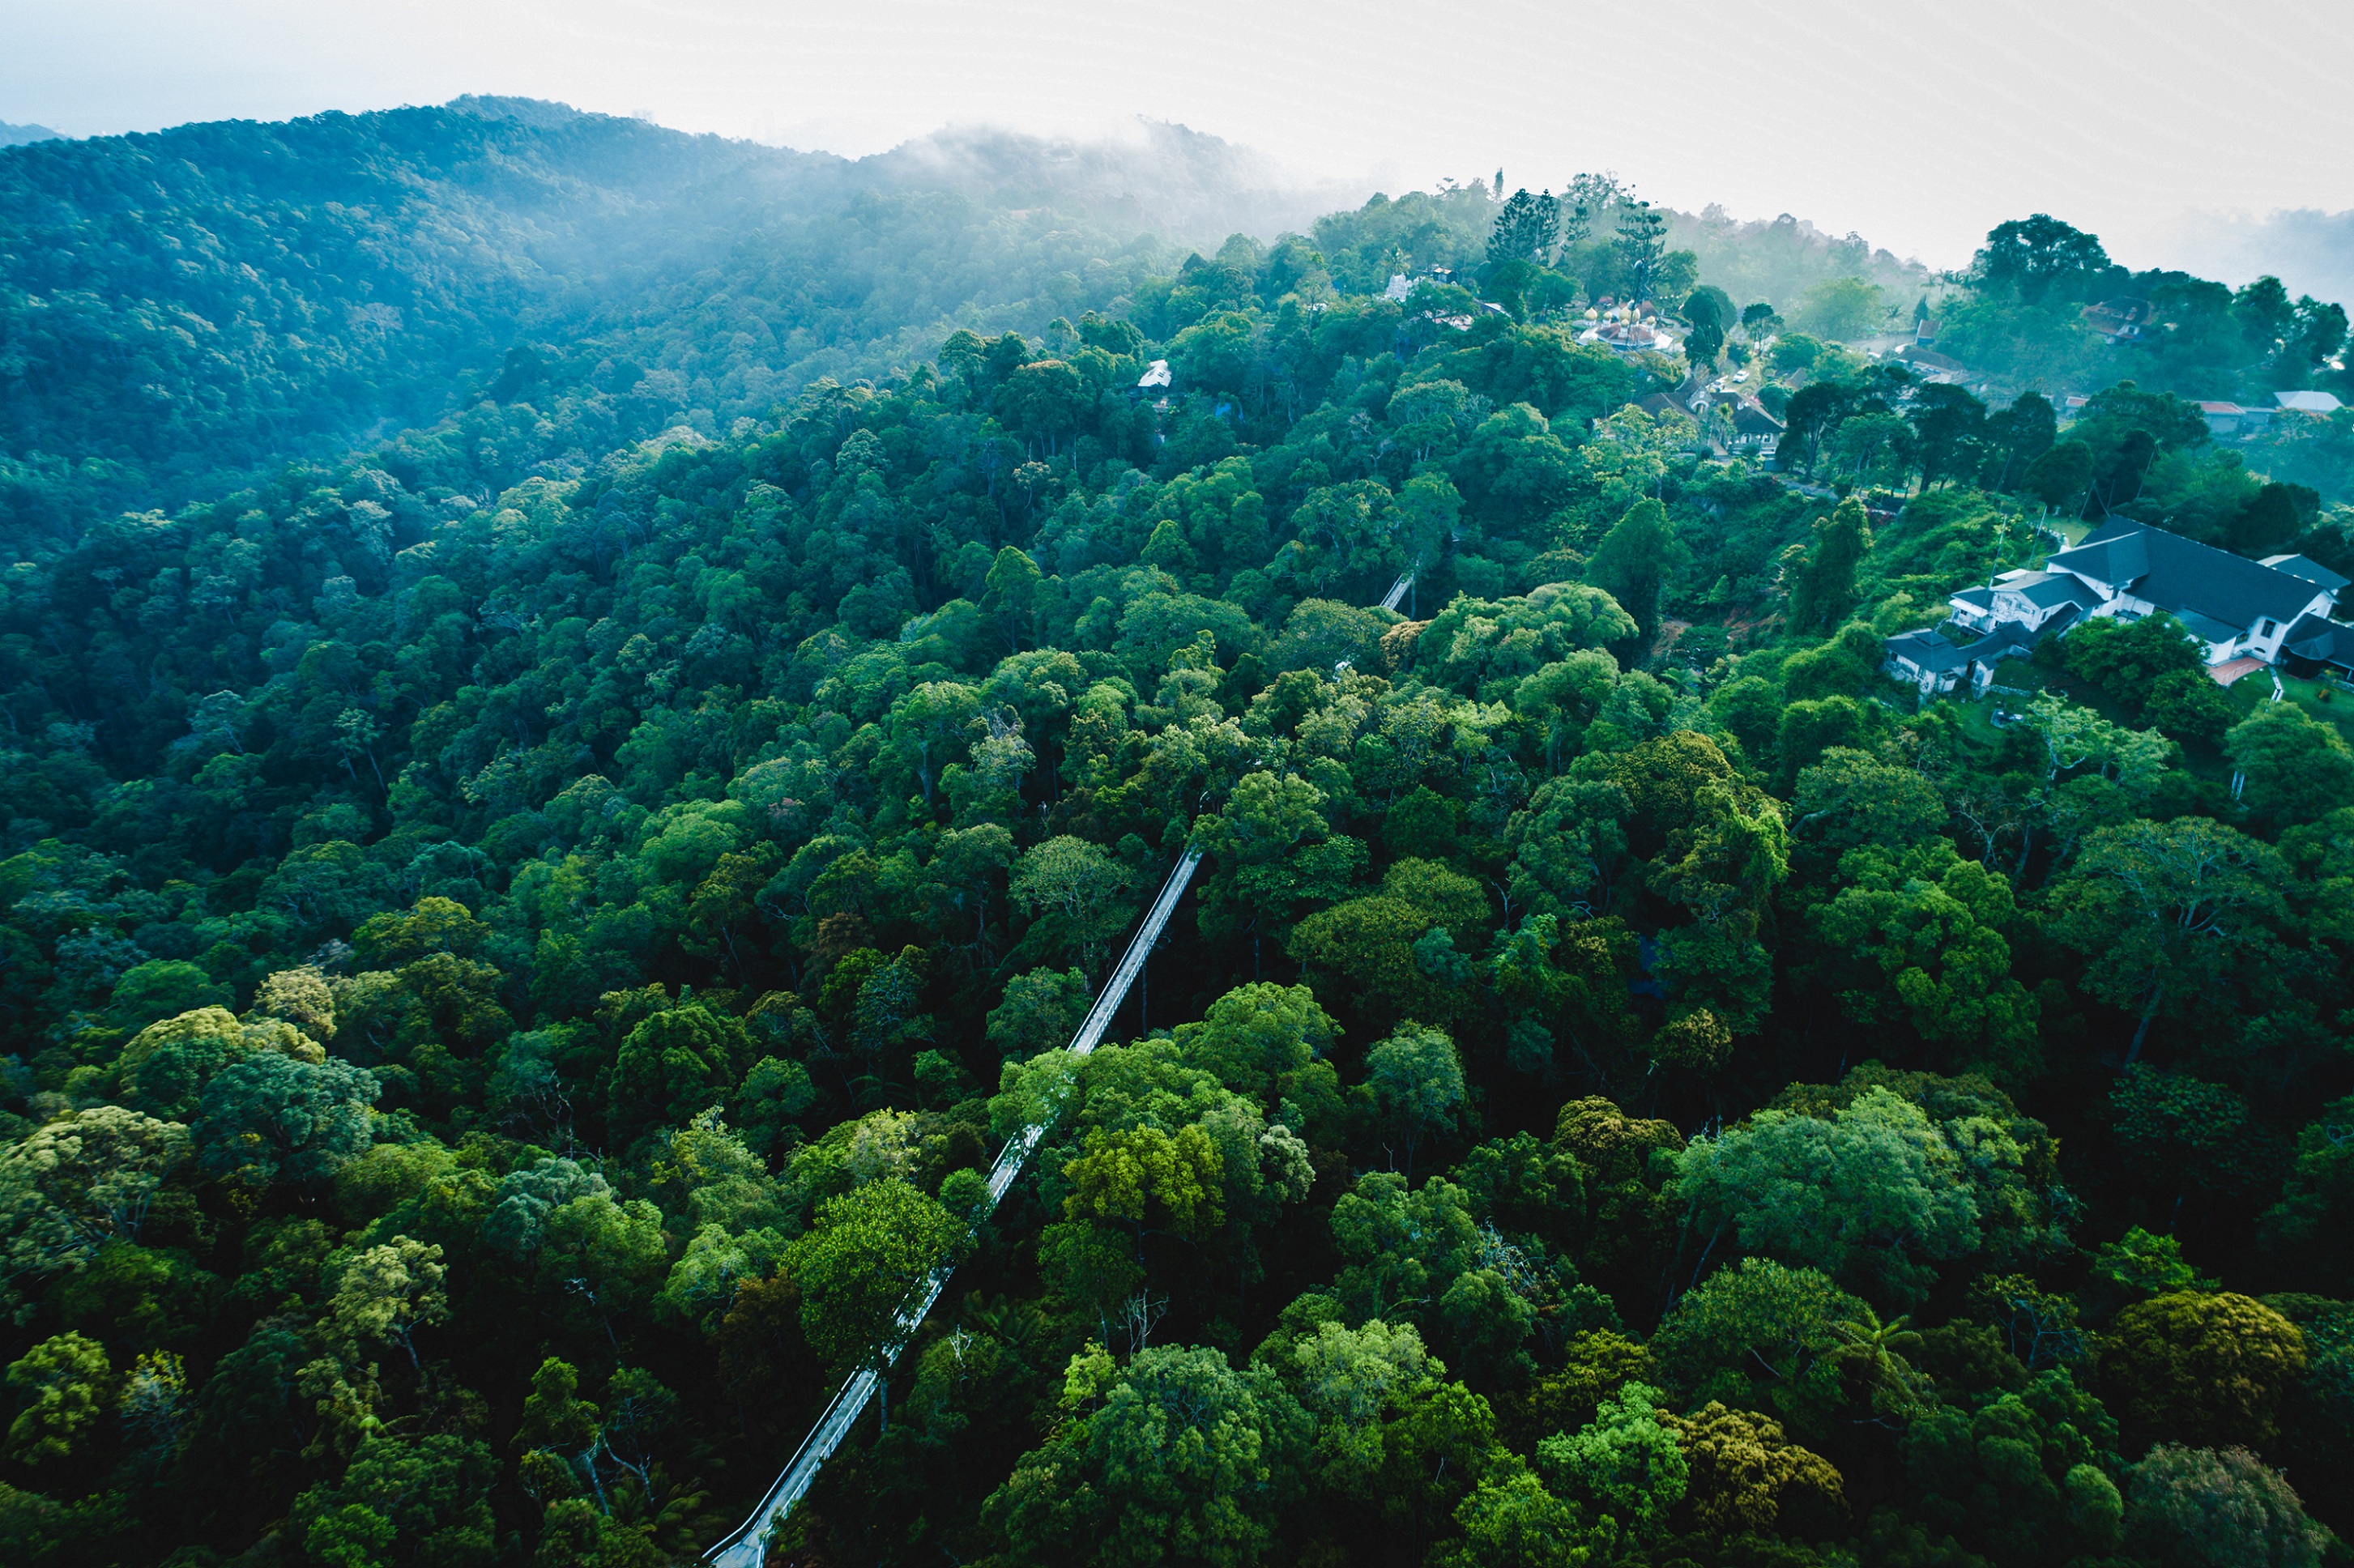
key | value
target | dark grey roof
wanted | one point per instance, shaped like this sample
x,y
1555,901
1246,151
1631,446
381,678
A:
x,y
2011,637
1977,598
2117,560
2044,589
2321,640
2185,577
1927,650
2207,628
2311,570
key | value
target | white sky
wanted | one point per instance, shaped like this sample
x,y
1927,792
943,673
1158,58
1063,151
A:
x,y
1919,125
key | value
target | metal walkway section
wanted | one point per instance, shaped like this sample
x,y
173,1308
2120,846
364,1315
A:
x,y
747,1545
1396,596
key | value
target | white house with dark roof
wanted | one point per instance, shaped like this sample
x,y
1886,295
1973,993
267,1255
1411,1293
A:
x,y
2277,611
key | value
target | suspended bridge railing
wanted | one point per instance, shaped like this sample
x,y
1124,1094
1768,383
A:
x,y
747,1545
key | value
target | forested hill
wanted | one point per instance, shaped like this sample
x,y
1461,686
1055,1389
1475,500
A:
x,y
520,936
183,307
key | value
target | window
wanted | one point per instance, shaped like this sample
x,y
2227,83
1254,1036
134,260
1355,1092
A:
x,y
2268,628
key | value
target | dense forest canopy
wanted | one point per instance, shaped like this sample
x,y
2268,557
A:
x,y
587,709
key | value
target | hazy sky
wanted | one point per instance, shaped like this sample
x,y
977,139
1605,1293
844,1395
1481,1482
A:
x,y
1918,125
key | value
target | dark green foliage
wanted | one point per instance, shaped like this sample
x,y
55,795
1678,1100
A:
x,y
522,937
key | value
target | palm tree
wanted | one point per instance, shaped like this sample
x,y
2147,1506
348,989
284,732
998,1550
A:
x,y
1875,1351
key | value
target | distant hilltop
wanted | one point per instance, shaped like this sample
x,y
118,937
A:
x,y
17,135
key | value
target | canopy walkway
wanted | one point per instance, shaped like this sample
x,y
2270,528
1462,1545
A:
x,y
746,1546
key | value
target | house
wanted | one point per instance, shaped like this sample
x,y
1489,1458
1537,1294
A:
x,y
2274,612
2311,570
2314,645
1155,375
1936,663
1931,365
1925,333
2224,420
2122,320
1400,287
1754,430
2307,402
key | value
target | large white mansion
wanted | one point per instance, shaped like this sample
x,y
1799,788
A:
x,y
2274,611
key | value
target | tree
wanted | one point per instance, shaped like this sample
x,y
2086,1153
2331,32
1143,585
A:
x,y
1511,1520
2206,1368
1073,879
1640,243
1822,583
2058,476
1744,1475
1150,1182
1634,559
932,725
390,1291
1040,1010
71,1187
672,1064
1181,1458
2023,1476
66,1390
1873,1195
870,1249
1526,228
1258,1039
2033,258
2126,659
271,1118
1760,1333
2162,912
1949,430
1706,338
2298,768
2202,1508
1624,1464
1417,1083
1012,590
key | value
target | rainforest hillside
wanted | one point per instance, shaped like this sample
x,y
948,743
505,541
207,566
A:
x,y
587,710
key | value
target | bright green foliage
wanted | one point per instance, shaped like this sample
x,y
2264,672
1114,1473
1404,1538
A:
x,y
1872,1194
1937,940
1147,1179
1185,1459
2298,768
1417,1084
1258,1039
1403,1246
1634,559
1513,1520
64,1391
1623,1464
71,1187
869,1249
